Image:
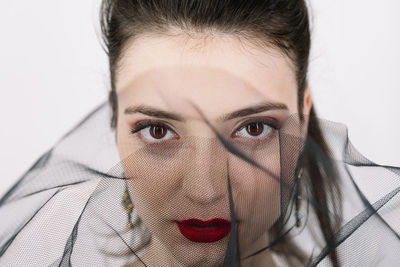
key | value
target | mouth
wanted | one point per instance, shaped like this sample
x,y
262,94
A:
x,y
204,231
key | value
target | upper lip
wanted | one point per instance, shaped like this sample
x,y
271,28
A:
x,y
211,222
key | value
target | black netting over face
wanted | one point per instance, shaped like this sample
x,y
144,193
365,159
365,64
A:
x,y
297,197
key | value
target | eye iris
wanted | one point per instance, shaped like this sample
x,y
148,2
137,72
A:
x,y
158,132
255,129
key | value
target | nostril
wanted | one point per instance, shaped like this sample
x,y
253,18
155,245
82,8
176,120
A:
x,y
204,194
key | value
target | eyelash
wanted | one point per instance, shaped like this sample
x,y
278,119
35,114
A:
x,y
147,123
270,122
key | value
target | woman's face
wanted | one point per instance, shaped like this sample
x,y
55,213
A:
x,y
173,94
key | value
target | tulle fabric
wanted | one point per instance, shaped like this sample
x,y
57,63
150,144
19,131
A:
x,y
66,209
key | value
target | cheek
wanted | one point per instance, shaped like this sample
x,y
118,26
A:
x,y
152,179
257,193
154,173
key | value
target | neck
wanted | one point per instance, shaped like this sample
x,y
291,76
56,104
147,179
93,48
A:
x,y
263,258
158,255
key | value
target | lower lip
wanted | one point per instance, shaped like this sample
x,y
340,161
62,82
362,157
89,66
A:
x,y
204,231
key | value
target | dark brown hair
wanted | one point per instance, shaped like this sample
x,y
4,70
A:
x,y
282,24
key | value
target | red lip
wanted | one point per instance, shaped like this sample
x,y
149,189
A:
x,y
204,231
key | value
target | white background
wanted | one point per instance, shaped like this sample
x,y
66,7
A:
x,y
53,71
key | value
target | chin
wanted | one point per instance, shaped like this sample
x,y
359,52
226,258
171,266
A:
x,y
193,254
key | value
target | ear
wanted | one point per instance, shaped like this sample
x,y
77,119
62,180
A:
x,y
307,103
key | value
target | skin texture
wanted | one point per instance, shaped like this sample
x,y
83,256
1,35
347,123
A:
x,y
184,174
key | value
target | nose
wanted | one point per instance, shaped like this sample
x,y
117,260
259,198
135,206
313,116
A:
x,y
205,180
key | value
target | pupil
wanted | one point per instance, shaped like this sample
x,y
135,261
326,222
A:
x,y
158,132
255,128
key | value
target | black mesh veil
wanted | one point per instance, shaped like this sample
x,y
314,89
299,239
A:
x,y
80,204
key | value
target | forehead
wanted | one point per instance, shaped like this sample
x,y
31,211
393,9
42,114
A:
x,y
205,69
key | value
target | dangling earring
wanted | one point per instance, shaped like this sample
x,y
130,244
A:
x,y
128,207
298,198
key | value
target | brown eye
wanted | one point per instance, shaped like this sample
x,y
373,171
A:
x,y
255,129
158,132
153,131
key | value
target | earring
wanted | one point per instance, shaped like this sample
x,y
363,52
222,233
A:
x,y
298,198
128,207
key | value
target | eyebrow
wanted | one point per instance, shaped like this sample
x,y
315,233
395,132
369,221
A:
x,y
265,106
155,112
